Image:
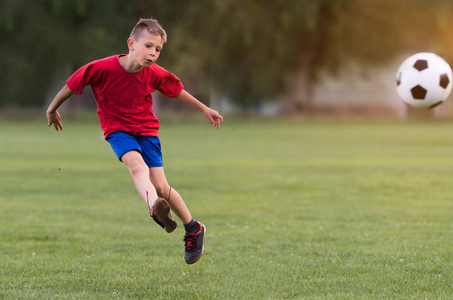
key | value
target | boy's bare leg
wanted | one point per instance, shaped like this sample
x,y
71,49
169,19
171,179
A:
x,y
140,175
195,231
158,179
159,208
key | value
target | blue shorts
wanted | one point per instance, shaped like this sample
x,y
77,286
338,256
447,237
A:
x,y
148,146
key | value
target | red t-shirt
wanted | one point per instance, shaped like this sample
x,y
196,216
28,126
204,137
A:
x,y
124,99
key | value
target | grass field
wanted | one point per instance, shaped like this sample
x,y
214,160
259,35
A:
x,y
294,209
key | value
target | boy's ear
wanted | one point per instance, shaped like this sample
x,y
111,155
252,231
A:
x,y
130,44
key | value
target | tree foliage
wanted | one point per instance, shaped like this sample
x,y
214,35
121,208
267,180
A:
x,y
247,50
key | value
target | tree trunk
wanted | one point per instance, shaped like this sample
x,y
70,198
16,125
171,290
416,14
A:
x,y
300,97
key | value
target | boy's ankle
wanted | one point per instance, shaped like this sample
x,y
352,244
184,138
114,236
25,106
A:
x,y
193,226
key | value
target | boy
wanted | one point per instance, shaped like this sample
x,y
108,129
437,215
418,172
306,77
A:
x,y
122,86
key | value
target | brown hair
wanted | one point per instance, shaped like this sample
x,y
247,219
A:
x,y
151,25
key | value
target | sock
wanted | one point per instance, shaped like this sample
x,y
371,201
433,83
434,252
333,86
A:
x,y
192,226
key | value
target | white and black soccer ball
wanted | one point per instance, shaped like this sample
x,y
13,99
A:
x,y
424,80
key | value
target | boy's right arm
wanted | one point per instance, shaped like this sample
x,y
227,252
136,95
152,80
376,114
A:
x,y
53,117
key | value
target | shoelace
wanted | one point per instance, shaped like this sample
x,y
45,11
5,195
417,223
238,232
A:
x,y
189,239
151,211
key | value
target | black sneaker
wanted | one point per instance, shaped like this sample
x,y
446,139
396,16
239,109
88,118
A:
x,y
194,245
160,212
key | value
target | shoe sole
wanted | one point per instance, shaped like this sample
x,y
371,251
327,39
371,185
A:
x,y
202,248
162,213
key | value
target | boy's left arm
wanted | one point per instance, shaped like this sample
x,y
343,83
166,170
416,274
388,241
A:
x,y
213,116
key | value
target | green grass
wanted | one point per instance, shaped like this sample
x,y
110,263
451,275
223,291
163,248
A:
x,y
294,209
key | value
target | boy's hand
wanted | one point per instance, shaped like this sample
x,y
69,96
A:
x,y
55,119
214,117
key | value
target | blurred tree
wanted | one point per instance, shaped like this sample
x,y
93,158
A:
x,y
247,50
253,51
277,48
39,38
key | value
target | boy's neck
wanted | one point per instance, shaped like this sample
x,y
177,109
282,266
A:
x,y
129,65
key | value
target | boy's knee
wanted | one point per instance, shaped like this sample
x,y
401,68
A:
x,y
162,190
134,162
137,168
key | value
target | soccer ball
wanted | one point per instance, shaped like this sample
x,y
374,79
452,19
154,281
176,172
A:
x,y
424,80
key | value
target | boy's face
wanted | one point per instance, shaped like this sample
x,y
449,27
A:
x,y
146,50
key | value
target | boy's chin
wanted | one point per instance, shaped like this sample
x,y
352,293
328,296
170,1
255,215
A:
x,y
147,63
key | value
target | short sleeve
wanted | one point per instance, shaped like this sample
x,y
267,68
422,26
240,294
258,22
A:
x,y
87,75
170,85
